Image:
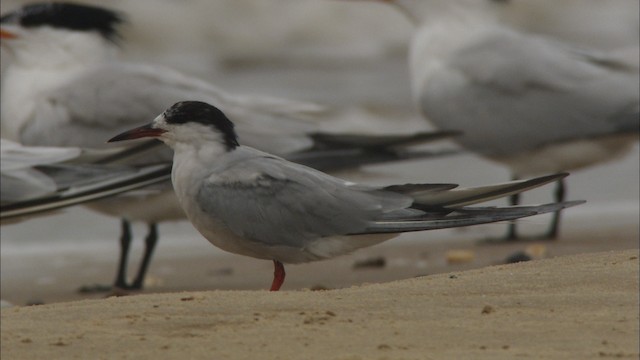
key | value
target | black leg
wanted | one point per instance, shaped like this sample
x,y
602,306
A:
x,y
125,244
555,223
150,244
512,231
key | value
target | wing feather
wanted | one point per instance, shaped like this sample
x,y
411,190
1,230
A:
x,y
308,204
115,97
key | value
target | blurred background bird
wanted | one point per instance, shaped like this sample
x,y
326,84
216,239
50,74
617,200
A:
x,y
536,100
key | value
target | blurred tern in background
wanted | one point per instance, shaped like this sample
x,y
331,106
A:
x,y
37,179
252,203
65,86
196,36
535,103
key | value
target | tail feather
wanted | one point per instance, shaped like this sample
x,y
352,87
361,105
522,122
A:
x,y
89,191
332,160
465,217
341,151
467,196
350,141
411,189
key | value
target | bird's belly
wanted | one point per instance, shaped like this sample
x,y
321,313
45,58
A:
x,y
571,155
218,234
150,208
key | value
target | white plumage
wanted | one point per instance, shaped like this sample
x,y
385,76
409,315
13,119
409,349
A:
x,y
535,103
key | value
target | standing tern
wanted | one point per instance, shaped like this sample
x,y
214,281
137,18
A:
x,y
534,103
249,202
65,86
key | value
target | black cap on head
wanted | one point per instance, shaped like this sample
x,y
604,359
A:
x,y
67,16
202,113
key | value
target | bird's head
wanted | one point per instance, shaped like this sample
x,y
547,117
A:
x,y
44,30
188,123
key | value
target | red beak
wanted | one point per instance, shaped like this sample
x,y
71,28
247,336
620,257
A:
x,y
139,132
4,34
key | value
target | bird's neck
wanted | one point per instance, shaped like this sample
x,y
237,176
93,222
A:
x,y
192,164
436,41
198,150
202,152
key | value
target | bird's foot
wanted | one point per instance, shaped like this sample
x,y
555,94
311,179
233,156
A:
x,y
515,239
118,291
94,288
111,290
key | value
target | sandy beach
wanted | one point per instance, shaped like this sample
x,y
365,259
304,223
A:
x,y
546,309
435,296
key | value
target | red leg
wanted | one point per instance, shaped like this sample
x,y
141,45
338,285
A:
x,y
278,275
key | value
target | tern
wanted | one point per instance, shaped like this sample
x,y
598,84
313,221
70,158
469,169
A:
x,y
65,86
252,203
535,103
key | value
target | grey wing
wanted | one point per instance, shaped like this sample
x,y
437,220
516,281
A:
x,y
20,184
20,179
30,172
96,183
510,92
116,97
280,203
16,156
89,108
